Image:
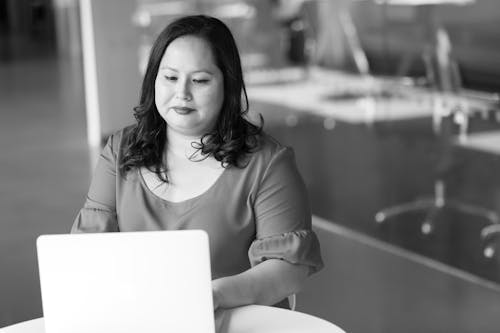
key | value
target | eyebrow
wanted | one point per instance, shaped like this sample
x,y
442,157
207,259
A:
x,y
197,71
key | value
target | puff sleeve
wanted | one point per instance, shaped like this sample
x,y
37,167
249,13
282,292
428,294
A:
x,y
99,211
283,216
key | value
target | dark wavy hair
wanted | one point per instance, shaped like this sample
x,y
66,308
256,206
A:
x,y
233,136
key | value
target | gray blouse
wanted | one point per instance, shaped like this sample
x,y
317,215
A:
x,y
251,214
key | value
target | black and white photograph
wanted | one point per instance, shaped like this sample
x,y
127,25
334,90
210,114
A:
x,y
250,166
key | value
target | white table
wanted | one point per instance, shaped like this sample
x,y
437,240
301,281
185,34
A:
x,y
245,319
425,2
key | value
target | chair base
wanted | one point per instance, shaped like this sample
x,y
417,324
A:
x,y
487,234
434,205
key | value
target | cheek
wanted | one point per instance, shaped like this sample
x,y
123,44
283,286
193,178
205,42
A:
x,y
215,98
157,94
162,94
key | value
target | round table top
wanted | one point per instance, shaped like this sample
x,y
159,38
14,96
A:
x,y
425,2
245,319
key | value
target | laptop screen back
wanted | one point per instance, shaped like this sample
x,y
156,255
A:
x,y
151,282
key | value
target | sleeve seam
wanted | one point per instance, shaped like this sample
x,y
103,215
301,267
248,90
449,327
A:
x,y
307,231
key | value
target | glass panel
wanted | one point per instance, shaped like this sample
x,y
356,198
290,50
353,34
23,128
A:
x,y
385,105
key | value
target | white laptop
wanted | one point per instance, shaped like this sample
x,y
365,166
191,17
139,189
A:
x,y
149,282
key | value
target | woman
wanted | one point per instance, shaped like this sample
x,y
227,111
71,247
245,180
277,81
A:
x,y
192,161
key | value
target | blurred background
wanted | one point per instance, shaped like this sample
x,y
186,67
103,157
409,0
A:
x,y
392,107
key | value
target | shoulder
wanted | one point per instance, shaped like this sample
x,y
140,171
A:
x,y
118,139
270,147
273,170
270,151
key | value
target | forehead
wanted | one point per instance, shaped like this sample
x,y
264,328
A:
x,y
189,53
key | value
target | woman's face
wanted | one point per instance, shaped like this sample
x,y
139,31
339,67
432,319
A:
x,y
189,87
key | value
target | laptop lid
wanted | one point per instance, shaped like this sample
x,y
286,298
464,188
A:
x,y
157,281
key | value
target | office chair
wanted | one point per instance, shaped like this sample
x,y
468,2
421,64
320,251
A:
x,y
449,101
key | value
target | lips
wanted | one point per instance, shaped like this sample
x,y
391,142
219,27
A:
x,y
182,110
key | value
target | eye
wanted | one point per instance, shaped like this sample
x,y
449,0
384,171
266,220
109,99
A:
x,y
201,81
170,78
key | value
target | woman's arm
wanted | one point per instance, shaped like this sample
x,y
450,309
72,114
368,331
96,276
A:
x,y
99,211
285,250
266,284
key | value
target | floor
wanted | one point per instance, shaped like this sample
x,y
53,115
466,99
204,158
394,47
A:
x,y
368,285
351,169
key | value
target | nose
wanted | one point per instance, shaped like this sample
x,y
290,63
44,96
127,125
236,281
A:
x,y
183,91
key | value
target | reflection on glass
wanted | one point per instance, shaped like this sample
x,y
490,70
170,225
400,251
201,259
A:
x,y
276,38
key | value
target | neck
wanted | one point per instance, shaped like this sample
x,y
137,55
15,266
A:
x,y
180,145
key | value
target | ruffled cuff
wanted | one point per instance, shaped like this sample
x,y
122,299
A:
x,y
297,247
95,220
